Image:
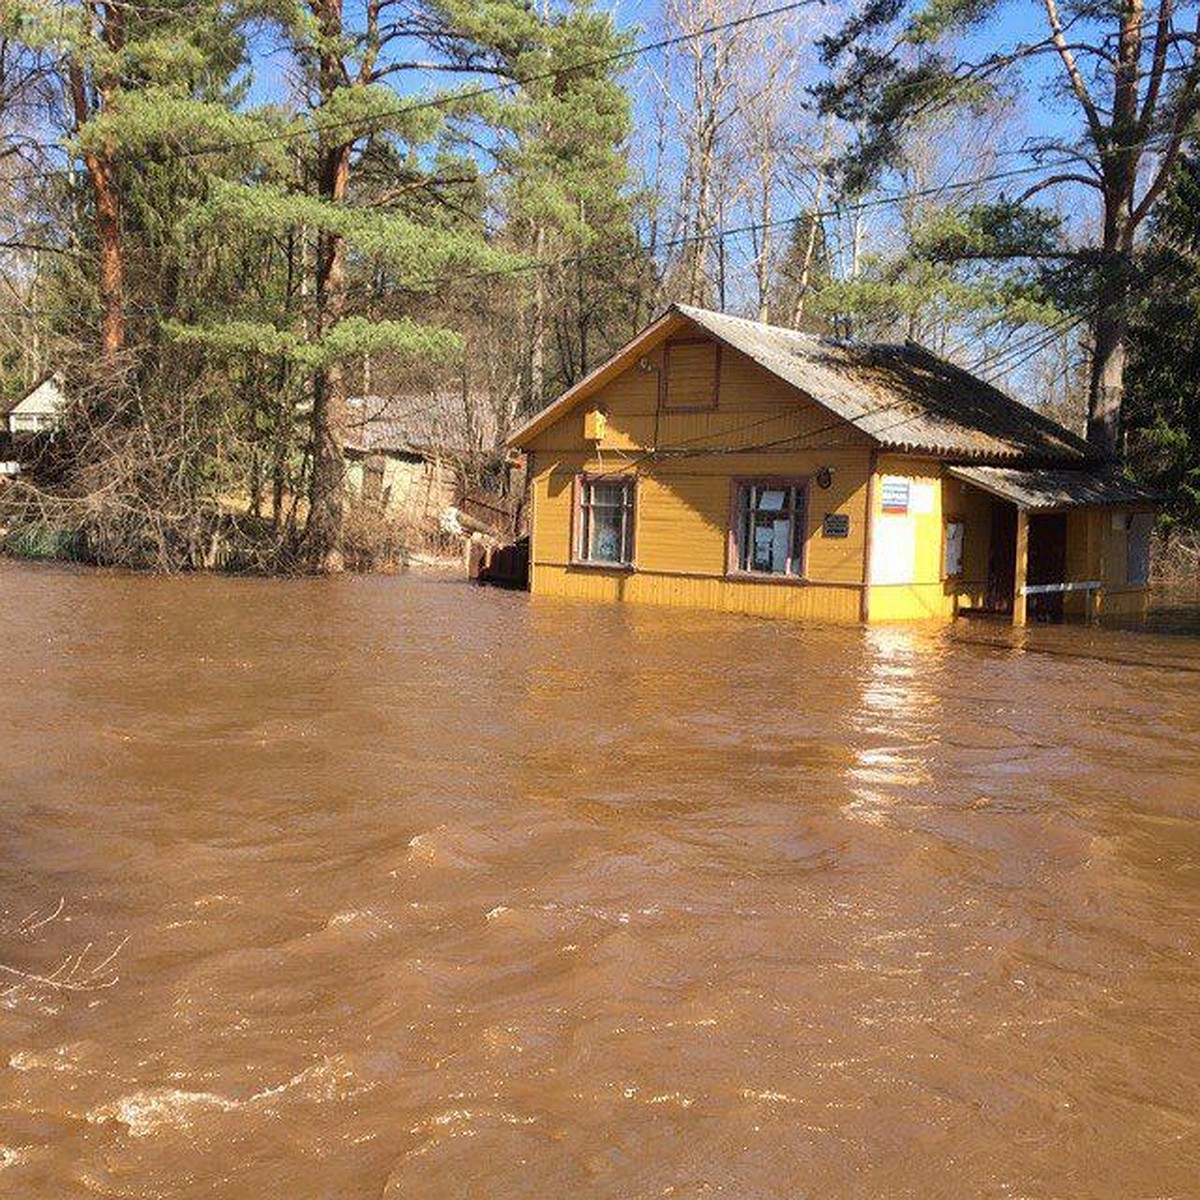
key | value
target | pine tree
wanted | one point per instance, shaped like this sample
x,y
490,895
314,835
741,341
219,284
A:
x,y
351,109
1164,370
1129,74
569,205
129,73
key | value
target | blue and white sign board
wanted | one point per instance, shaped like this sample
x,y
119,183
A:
x,y
894,494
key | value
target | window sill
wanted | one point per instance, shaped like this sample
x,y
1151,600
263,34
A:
x,y
761,577
584,565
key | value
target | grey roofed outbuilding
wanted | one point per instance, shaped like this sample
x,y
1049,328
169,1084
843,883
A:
x,y
424,423
1052,490
903,396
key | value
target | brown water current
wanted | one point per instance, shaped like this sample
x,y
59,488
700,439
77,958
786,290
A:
x,y
413,890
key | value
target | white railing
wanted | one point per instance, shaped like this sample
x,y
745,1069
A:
x,y
1047,589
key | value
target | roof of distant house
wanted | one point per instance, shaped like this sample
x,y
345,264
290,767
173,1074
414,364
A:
x,y
442,422
48,391
903,396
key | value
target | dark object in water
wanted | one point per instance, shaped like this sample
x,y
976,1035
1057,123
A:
x,y
502,566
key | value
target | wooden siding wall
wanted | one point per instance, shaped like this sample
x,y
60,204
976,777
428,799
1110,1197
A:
x,y
416,490
691,374
684,496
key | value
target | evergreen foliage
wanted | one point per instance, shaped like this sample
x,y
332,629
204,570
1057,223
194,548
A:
x,y
1164,384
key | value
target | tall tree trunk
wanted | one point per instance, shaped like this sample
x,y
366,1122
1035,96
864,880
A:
x,y
1106,385
537,334
1110,325
101,169
806,261
1119,169
327,484
762,262
323,533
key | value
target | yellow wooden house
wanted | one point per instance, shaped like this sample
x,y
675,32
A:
x,y
721,463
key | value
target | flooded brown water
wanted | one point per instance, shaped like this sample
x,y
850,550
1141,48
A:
x,y
416,890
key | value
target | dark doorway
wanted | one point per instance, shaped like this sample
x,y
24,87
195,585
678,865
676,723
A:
x,y
1047,564
1002,557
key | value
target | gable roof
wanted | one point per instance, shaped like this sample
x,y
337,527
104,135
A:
x,y
434,422
903,397
46,396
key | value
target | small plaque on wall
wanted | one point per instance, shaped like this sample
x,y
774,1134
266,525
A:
x,y
836,525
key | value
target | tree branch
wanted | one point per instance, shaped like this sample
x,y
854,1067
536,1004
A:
x,y
1159,63
1073,73
18,245
1054,180
1185,110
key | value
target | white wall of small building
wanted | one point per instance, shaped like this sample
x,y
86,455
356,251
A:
x,y
40,409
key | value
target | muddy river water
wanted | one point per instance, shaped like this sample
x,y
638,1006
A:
x,y
390,887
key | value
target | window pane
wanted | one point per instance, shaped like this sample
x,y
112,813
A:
x,y
767,499
606,521
769,528
768,549
608,494
606,536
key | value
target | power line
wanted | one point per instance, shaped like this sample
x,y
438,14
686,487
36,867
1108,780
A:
x,y
649,250
368,124
607,255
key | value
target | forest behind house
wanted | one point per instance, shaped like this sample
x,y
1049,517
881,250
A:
x,y
224,224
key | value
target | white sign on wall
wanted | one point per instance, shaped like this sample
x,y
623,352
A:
x,y
922,497
894,550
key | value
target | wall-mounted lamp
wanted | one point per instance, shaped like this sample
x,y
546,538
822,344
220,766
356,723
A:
x,y
825,478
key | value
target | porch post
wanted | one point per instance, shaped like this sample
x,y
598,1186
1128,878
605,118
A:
x,y
1021,570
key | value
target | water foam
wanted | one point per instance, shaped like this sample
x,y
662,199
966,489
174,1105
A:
x,y
145,1112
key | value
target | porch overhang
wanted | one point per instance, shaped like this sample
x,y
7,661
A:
x,y
1058,489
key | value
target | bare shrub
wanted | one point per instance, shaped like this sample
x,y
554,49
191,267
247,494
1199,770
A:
x,y
1176,556
374,540
145,477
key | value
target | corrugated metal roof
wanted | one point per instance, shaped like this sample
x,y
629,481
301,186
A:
x,y
445,422
903,396
1044,488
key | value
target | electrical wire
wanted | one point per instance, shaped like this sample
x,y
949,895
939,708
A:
x,y
369,124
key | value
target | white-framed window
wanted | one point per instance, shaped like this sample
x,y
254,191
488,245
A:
x,y
605,522
769,525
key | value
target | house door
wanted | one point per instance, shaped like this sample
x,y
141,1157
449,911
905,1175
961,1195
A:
x,y
1002,557
1047,563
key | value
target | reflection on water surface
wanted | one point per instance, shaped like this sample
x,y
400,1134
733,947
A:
x,y
437,892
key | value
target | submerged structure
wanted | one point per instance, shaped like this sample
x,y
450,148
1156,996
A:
x,y
722,463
